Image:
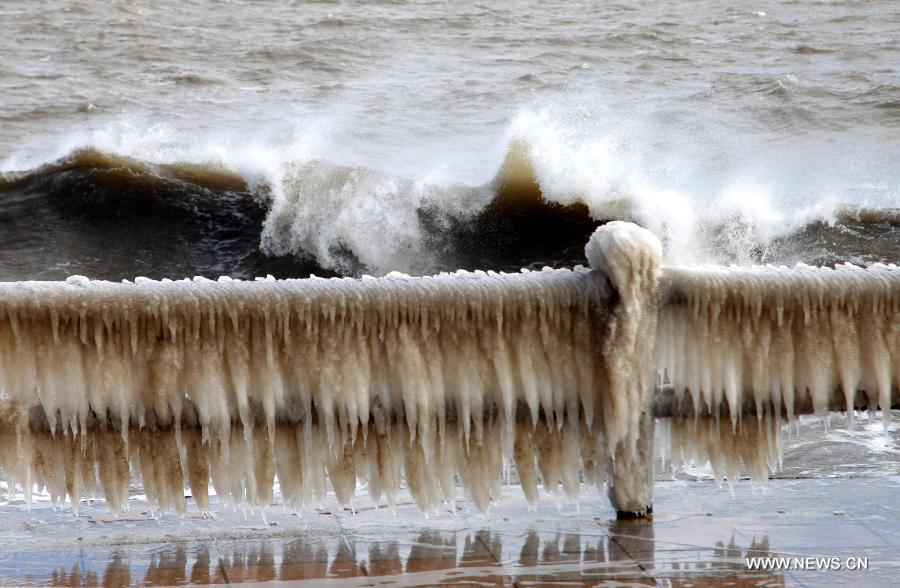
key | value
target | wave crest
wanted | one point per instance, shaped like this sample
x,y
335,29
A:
x,y
110,216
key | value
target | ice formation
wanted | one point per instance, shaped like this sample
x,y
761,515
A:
x,y
244,469
340,351
631,257
433,382
752,447
428,379
781,340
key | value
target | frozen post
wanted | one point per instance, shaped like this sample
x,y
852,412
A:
x,y
630,257
631,474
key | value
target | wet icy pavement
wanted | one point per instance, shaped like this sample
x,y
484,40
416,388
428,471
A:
x,y
700,536
842,500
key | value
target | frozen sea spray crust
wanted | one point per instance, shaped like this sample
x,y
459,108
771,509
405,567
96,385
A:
x,y
630,256
779,341
431,382
429,379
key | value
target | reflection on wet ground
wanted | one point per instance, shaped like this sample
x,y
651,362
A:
x,y
701,536
430,557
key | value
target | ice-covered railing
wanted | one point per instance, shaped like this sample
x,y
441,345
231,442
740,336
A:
x,y
780,341
340,352
742,349
434,383
421,379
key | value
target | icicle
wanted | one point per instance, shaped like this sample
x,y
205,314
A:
x,y
335,381
751,447
166,461
453,357
781,340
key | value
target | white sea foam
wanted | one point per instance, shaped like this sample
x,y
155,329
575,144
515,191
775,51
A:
x,y
708,198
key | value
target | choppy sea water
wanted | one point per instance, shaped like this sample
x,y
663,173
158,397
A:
x,y
242,138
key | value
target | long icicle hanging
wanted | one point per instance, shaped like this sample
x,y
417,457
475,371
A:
x,y
428,382
421,379
781,340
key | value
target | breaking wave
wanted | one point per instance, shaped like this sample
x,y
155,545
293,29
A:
x,y
107,215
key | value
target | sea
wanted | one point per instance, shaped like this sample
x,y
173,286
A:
x,y
287,138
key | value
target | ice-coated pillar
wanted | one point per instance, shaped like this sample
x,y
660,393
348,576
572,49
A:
x,y
631,474
630,257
